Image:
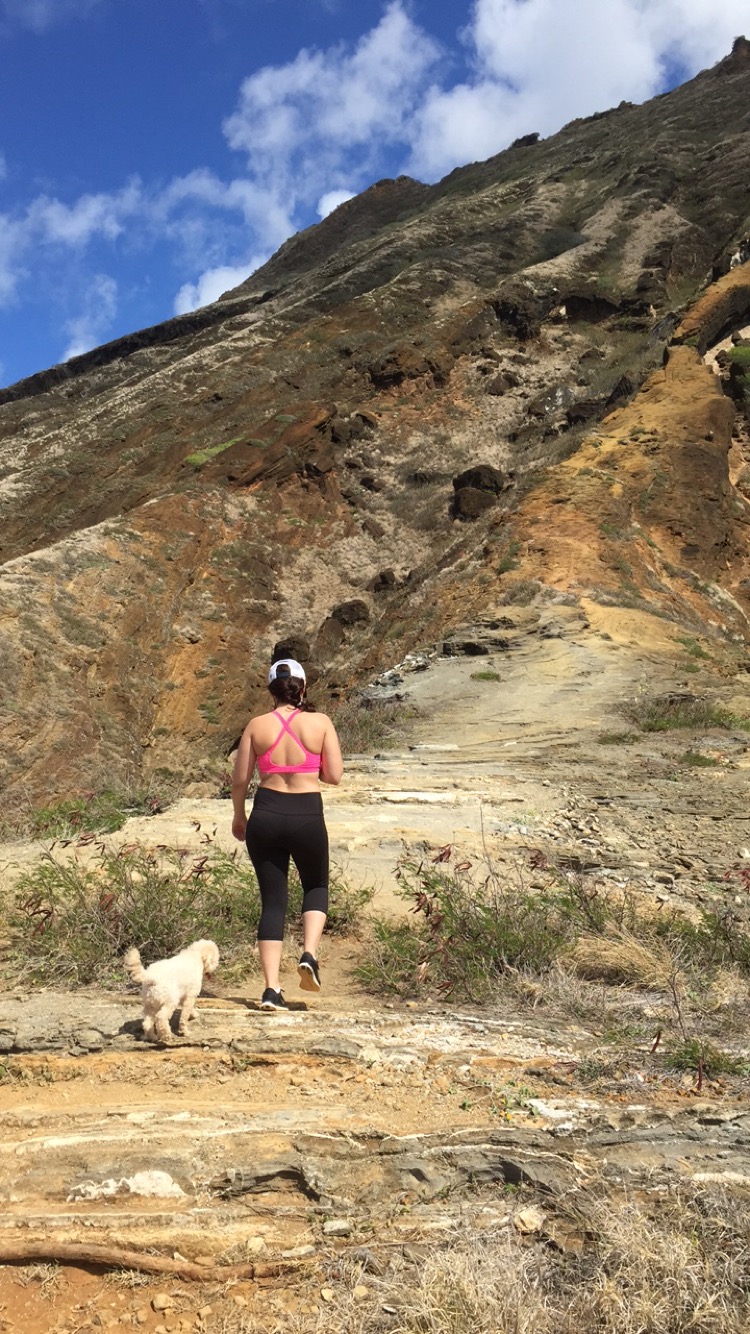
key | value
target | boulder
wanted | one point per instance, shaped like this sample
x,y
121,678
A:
x,y
502,383
469,502
329,637
384,580
406,363
292,646
481,477
355,612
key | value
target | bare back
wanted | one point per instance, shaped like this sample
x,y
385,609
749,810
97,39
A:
x,y
314,730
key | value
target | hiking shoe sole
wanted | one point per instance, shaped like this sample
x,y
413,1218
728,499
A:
x,y
309,976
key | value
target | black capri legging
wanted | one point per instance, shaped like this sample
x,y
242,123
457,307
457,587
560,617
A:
x,y
284,825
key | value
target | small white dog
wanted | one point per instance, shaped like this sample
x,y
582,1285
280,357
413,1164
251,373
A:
x,y
171,984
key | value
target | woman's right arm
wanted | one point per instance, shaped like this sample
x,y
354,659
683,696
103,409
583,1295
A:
x,y
244,765
331,761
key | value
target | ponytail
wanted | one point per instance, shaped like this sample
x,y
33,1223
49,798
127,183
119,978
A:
x,y
290,690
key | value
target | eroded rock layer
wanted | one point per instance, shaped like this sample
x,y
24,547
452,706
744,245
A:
x,y
496,389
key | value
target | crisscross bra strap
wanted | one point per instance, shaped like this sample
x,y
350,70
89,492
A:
x,y
286,728
310,764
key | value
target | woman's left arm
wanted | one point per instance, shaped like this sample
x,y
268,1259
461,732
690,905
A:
x,y
331,763
244,765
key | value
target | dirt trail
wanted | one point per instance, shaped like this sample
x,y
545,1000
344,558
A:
x,y
252,1136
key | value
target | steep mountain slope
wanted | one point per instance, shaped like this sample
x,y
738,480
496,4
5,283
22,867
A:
x,y
438,401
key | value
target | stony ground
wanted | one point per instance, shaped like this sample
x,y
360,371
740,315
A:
x,y
326,1139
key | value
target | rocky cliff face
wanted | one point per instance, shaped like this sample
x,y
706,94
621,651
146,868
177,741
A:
x,y
442,399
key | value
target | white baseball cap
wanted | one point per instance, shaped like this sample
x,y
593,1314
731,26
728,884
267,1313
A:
x,y
286,667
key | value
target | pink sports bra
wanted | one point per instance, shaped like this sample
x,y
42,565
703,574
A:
x,y
310,764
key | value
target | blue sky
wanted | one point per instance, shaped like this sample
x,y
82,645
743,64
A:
x,y
154,152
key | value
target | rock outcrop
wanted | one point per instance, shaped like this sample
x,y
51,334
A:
x,y
176,502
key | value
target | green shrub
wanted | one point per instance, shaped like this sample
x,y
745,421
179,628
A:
x,y
202,456
671,712
740,356
692,646
471,927
521,592
509,559
486,675
70,922
393,957
468,928
696,760
93,812
697,1054
556,241
710,940
365,725
345,904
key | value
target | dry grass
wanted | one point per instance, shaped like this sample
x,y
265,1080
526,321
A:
x,y
679,1262
49,1277
623,960
684,1266
69,922
365,725
728,990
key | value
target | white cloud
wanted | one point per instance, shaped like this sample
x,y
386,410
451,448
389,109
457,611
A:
x,y
308,129
41,14
696,33
263,211
212,284
328,202
12,250
468,123
537,64
323,119
91,215
48,225
99,308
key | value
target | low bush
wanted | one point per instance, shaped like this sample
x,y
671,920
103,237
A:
x,y
672,712
88,813
695,759
740,356
549,938
470,926
700,1054
366,725
202,456
70,922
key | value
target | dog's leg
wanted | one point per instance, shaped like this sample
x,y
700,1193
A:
x,y
148,1027
187,1013
161,1025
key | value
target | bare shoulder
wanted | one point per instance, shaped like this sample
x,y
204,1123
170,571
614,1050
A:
x,y
257,724
327,722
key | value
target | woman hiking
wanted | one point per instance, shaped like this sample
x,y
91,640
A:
x,y
295,749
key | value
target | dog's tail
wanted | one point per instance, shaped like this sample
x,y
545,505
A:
x,y
133,966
